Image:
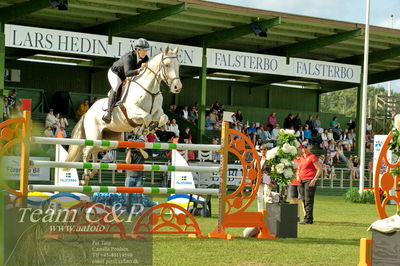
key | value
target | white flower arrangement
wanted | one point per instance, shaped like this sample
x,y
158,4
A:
x,y
281,158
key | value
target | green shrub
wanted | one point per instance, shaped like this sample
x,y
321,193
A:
x,y
353,195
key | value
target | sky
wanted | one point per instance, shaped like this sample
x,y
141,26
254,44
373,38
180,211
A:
x,y
343,10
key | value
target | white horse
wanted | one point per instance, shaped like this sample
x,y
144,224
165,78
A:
x,y
140,109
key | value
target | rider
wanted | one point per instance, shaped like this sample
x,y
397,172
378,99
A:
x,y
130,64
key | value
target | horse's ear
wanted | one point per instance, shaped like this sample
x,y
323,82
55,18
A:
x,y
166,50
176,50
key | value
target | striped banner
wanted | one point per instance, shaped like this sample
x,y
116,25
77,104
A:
x,y
126,144
132,167
141,190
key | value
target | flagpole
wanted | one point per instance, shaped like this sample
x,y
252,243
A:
x,y
364,98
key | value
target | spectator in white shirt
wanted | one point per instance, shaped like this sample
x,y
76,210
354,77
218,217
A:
x,y
275,131
324,138
317,125
330,135
185,112
172,126
51,120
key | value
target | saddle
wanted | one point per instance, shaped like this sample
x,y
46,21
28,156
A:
x,y
121,91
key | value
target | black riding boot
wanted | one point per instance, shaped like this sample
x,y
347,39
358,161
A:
x,y
111,102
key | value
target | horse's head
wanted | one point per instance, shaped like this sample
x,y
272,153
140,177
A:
x,y
170,70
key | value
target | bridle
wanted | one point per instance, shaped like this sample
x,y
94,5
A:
x,y
161,75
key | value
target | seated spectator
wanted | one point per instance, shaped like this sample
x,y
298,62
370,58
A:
x,y
252,132
369,142
94,100
340,152
275,131
310,123
214,116
60,133
108,156
172,126
209,124
352,164
193,115
289,121
267,135
12,103
351,124
324,137
6,108
369,128
328,170
48,132
239,116
335,126
186,137
216,156
344,139
317,125
260,133
352,138
308,134
151,137
185,112
330,134
82,109
332,153
51,120
300,134
271,120
61,121
221,112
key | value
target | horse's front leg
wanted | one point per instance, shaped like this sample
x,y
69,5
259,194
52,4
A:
x,y
94,171
140,116
160,117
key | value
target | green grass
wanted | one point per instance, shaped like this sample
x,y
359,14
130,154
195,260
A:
x,y
333,239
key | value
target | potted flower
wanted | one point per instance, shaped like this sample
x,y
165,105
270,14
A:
x,y
281,159
282,216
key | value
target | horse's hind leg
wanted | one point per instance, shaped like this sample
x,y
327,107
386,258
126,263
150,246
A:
x,y
87,151
94,171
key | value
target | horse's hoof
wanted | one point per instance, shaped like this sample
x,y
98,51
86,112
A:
x,y
152,126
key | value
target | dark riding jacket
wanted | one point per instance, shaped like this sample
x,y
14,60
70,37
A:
x,y
128,65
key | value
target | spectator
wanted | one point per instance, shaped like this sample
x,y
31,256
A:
x,y
330,134
209,124
186,137
317,125
328,169
134,178
344,139
352,164
51,120
172,126
289,122
185,112
214,116
335,126
6,108
369,128
272,120
151,137
108,156
308,134
352,124
239,116
352,138
267,135
251,132
216,156
324,137
172,108
297,122
300,134
308,173
193,115
60,133
332,152
310,123
61,121
260,132
265,189
12,103
48,132
340,153
83,108
275,131
369,142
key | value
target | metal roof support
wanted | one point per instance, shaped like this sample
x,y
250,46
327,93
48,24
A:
x,y
203,95
213,38
374,57
128,23
2,66
309,45
21,9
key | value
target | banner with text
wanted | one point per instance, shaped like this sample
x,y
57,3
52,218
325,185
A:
x,y
97,45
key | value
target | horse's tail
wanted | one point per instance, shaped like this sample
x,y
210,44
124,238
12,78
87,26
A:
x,y
75,151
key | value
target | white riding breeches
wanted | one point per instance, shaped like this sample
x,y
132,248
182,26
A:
x,y
114,80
